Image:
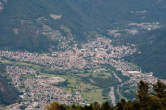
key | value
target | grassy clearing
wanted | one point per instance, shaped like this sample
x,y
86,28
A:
x,y
28,76
89,92
16,63
93,95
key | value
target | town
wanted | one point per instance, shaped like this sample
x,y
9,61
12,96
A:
x,y
39,88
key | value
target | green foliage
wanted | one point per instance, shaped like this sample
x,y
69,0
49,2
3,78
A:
x,y
8,93
82,17
152,58
160,89
145,101
143,92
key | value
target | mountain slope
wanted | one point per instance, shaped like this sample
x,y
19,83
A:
x,y
8,94
151,54
73,38
21,21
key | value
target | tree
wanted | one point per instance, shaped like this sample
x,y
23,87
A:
x,y
143,95
143,92
106,106
121,104
55,106
95,106
155,103
160,89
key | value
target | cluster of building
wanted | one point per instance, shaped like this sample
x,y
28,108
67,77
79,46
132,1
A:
x,y
38,90
100,50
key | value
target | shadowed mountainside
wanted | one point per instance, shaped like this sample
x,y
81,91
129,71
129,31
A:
x,y
152,52
21,21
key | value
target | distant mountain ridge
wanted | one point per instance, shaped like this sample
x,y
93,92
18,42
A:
x,y
21,28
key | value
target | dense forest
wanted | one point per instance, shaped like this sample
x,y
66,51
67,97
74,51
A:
x,y
148,97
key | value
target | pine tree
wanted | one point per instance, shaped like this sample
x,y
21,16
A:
x,y
106,106
121,104
95,106
160,89
143,92
143,95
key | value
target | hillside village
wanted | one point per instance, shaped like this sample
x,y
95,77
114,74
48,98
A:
x,y
99,51
39,89
79,51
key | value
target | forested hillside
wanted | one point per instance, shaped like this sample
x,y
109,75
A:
x,y
151,55
24,24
